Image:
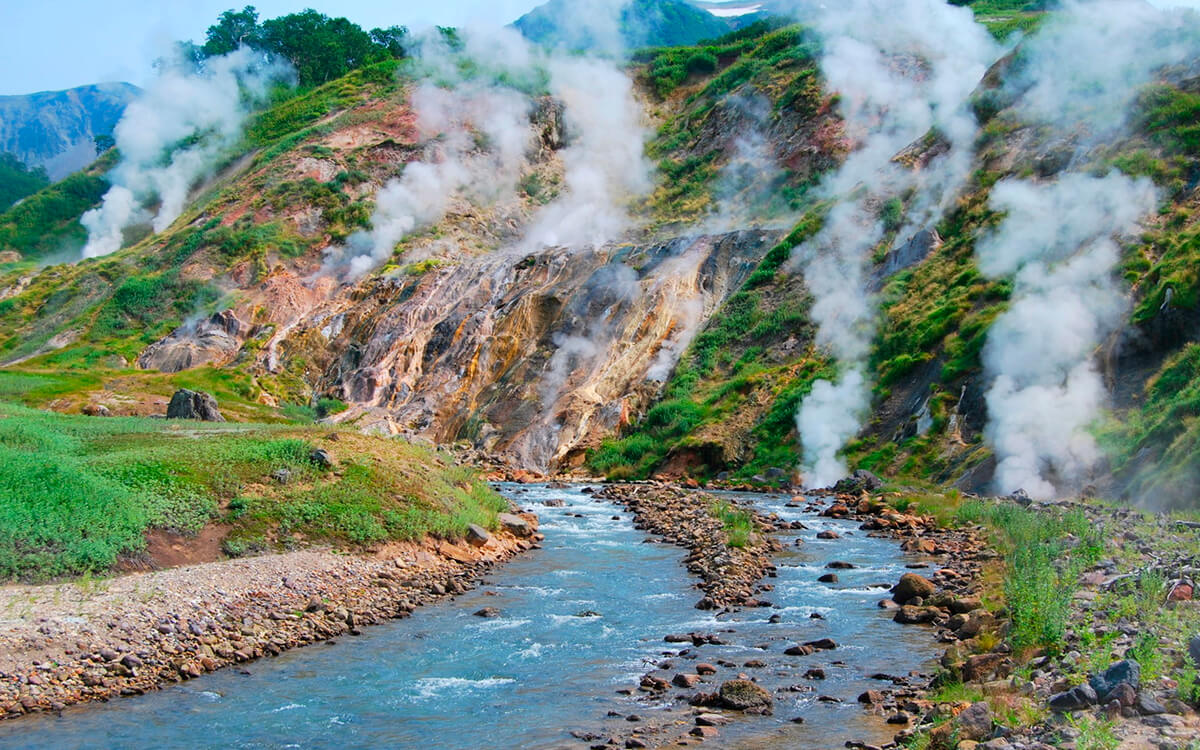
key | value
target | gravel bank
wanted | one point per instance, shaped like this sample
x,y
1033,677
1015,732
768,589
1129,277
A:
x,y
95,640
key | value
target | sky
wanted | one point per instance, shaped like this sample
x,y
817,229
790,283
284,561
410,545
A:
x,y
58,44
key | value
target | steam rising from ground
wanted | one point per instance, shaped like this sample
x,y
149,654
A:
x,y
902,69
483,131
1057,240
1080,76
172,136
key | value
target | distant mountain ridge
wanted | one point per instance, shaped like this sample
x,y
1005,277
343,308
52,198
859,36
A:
x,y
55,129
641,23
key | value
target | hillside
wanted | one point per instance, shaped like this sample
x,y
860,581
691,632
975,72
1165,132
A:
x,y
56,130
578,26
684,341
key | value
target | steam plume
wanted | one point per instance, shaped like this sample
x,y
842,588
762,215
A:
x,y
170,137
1080,75
902,69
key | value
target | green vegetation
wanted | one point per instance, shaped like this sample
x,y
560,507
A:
x,y
738,524
1044,553
318,47
46,223
18,180
1003,18
79,493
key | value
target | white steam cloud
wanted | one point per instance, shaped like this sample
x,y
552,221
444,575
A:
x,y
1045,389
605,161
421,196
902,69
172,136
1080,75
483,138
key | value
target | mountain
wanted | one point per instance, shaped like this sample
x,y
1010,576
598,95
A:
x,y
55,129
577,25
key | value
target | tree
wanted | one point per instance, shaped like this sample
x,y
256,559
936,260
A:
x,y
320,48
232,30
104,142
391,39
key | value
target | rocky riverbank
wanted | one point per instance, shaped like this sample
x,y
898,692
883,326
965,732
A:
x,y
95,640
729,576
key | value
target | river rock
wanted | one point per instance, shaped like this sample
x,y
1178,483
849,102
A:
x,y
488,612
828,578
515,524
686,680
840,565
199,405
477,536
741,695
712,720
828,535
975,722
822,644
910,615
703,668
799,651
912,586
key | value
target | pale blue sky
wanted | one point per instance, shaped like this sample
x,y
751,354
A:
x,y
56,44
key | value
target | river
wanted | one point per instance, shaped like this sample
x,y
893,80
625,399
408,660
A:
x,y
581,619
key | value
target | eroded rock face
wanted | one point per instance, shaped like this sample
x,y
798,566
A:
x,y
213,341
532,355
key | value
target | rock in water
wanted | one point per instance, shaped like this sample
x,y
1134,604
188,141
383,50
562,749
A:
x,y
488,612
741,695
911,586
198,405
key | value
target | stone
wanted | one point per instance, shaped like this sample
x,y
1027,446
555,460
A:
x,y
686,680
799,650
1125,671
912,586
712,720
822,644
828,535
816,673
477,536
828,578
703,669
703,731
741,695
283,476
1074,699
871,697
910,615
488,612
1147,706
981,667
1123,693
840,565
515,524
97,410
1194,649
197,405
321,459
975,722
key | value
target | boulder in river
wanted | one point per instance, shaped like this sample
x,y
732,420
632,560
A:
x,y
198,405
912,586
488,612
741,695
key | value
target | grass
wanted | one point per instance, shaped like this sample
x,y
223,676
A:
x,y
79,493
738,524
1044,553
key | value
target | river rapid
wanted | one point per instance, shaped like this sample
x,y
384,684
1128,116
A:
x,y
581,619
